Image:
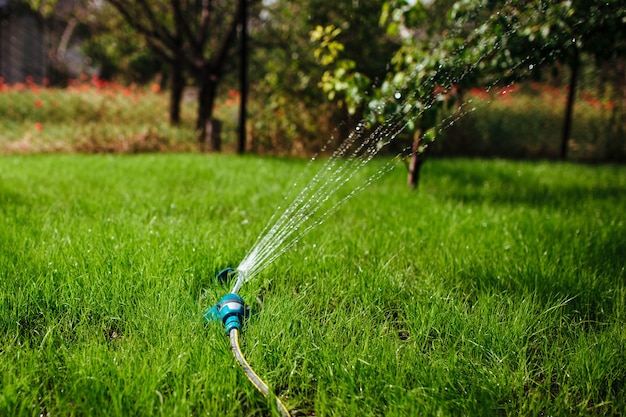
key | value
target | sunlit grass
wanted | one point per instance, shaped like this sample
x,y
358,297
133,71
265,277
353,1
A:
x,y
497,288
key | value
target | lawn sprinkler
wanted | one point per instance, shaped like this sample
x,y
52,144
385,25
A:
x,y
231,310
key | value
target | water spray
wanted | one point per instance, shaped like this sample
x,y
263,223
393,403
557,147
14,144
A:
x,y
307,210
311,206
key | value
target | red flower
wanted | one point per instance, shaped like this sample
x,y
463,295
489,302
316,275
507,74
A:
x,y
439,90
38,127
38,103
99,83
479,93
155,88
591,100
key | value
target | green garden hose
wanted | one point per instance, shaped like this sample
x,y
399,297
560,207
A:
x,y
230,311
252,376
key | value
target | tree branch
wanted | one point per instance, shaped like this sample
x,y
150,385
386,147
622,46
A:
x,y
182,27
215,63
150,29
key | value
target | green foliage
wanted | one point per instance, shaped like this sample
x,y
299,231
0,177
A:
x,y
318,67
342,79
532,32
99,116
286,111
118,53
500,288
328,49
44,7
483,43
286,73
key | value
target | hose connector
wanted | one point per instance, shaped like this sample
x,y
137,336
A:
x,y
230,310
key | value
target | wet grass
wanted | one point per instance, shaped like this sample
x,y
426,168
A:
x,y
498,288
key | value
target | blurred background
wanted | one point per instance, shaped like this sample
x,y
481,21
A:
x,y
491,79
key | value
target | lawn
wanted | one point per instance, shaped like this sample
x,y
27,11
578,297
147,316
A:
x,y
497,288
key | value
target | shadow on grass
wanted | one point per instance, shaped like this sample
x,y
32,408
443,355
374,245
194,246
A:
x,y
584,242
10,197
500,182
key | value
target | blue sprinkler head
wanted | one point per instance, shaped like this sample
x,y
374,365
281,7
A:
x,y
225,274
230,311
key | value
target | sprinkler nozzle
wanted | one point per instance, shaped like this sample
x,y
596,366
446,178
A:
x,y
230,311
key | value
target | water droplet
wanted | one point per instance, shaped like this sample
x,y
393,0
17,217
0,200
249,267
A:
x,y
531,66
397,95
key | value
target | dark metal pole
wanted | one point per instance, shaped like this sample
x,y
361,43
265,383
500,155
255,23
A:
x,y
569,109
243,77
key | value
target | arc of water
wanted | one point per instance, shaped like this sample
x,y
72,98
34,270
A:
x,y
305,212
283,231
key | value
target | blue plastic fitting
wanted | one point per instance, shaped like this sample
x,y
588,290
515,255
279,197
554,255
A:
x,y
211,314
231,308
230,311
225,274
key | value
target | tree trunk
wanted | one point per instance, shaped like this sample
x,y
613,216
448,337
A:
x,y
415,162
621,89
177,86
567,123
243,78
206,99
214,135
65,40
614,148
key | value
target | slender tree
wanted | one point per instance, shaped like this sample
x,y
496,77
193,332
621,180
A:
x,y
485,42
243,77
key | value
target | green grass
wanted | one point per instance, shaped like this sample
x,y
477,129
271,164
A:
x,y
497,288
